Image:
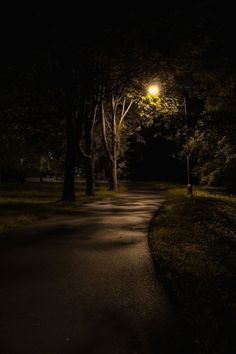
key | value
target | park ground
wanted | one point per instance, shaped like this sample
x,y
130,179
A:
x,y
192,241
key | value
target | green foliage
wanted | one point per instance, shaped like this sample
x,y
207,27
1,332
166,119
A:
x,y
32,122
214,148
151,107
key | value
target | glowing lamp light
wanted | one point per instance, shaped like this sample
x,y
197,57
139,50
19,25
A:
x,y
153,90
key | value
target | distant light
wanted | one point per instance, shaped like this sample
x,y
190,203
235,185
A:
x,y
153,90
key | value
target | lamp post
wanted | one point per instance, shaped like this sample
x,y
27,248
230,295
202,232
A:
x,y
189,185
154,90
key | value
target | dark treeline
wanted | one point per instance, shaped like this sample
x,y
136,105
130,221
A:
x,y
73,95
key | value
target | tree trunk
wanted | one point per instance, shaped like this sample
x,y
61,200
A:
x,y
70,158
113,180
89,153
89,168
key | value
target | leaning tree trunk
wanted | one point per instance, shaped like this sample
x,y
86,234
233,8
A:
x,y
70,158
112,148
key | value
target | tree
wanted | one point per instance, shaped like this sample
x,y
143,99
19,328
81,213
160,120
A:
x,y
91,95
114,109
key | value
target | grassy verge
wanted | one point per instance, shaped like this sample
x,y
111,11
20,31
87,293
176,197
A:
x,y
20,204
193,243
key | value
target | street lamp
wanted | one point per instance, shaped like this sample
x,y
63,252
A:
x,y
153,90
189,185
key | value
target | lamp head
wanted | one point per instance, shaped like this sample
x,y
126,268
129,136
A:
x,y
153,90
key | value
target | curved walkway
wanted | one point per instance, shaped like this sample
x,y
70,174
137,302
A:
x,y
86,284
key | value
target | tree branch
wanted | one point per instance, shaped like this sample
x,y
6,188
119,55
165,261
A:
x,y
126,110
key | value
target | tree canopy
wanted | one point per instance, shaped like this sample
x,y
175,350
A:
x,y
65,76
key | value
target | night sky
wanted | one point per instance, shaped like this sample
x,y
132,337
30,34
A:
x,y
28,32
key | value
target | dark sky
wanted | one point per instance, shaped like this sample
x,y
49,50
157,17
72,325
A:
x,y
27,32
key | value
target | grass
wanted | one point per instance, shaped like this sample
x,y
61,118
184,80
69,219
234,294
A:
x,y
193,243
20,204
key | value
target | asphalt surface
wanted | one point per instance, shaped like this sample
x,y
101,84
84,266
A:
x,y
86,284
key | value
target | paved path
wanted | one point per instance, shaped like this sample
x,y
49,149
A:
x,y
86,284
